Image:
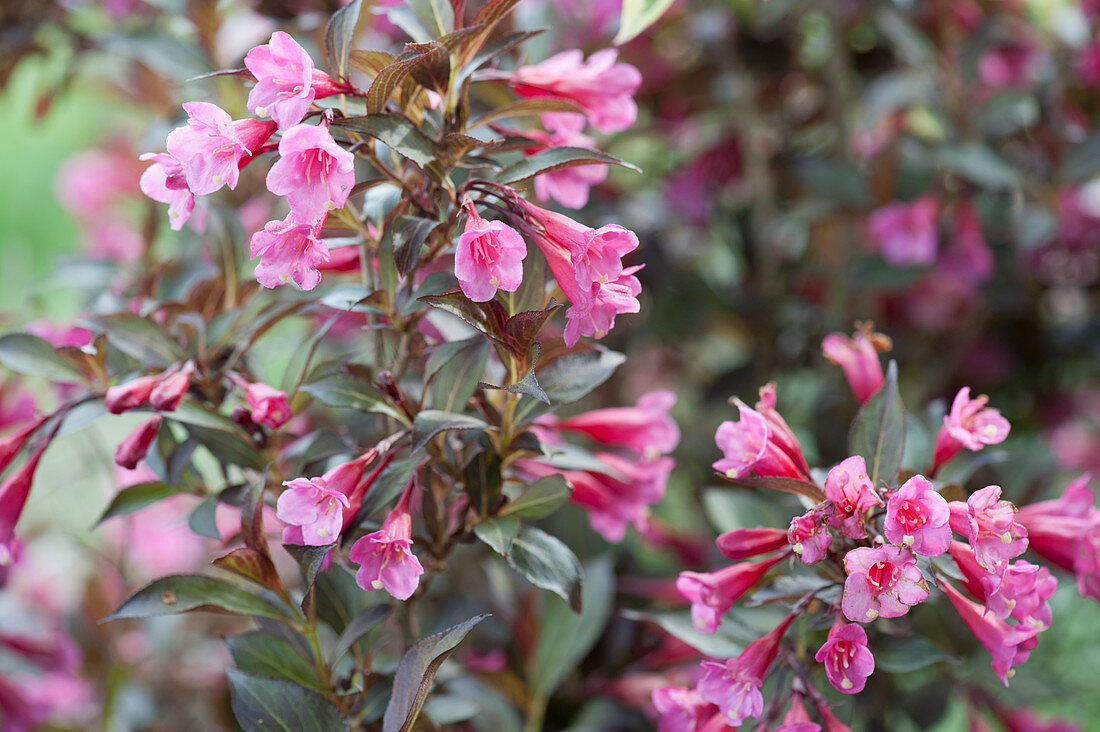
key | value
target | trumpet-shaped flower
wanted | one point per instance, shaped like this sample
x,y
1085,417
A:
x,y
132,450
797,719
748,446
990,525
1009,645
809,536
385,557
858,357
286,81
848,662
744,543
645,428
595,316
165,181
489,255
212,146
313,507
969,424
289,250
917,518
905,233
269,405
313,172
1066,532
853,494
883,582
713,593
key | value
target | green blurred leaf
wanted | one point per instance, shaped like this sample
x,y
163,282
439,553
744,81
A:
x,y
395,131
339,34
431,422
547,563
569,378
904,655
263,705
979,164
263,654
720,644
557,158
309,560
499,533
27,354
201,520
637,16
414,676
454,380
359,626
135,498
482,478
437,16
409,234
878,431
140,338
183,593
542,498
346,391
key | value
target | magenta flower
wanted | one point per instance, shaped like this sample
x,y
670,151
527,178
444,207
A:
x,y
313,172
883,581
744,543
905,233
683,710
166,182
1021,593
809,537
489,255
858,356
990,525
853,494
848,662
1009,645
602,88
14,491
917,518
13,443
315,508
969,424
385,556
1008,65
735,685
595,317
212,146
780,432
269,405
797,719
713,593
132,450
171,387
130,395
968,257
747,447
1066,532
284,75
289,250
568,186
645,428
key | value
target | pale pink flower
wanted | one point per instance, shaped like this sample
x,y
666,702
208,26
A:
x,y
883,582
130,395
92,181
683,710
212,146
1009,645
748,447
990,525
314,507
595,316
713,593
166,182
269,405
286,81
848,662
1009,65
809,536
29,701
853,495
780,432
602,88
917,518
489,255
1021,592
568,186
171,387
905,233
313,172
132,450
1066,532
797,719
289,250
645,428
744,543
735,685
385,556
969,424
858,356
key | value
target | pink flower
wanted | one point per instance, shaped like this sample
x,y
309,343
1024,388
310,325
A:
x,y
1024,719
313,172
1009,65
797,719
166,182
318,510
917,518
1087,65
780,432
969,424
132,450
602,88
171,387
990,525
735,685
858,356
853,495
13,443
847,660
14,491
748,447
683,710
489,255
212,146
1066,532
809,537
595,316
286,81
713,593
1021,593
130,395
289,250
646,428
883,581
968,257
568,186
269,405
1009,646
744,543
386,557
905,233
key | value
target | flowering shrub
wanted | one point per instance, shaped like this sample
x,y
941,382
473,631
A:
x,y
356,368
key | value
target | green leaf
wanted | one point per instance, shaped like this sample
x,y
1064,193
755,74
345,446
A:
x,y
454,380
499,533
409,234
547,563
140,338
263,654
530,107
229,447
483,479
416,672
786,485
309,559
637,16
338,37
263,705
489,317
359,626
135,498
395,131
544,497
33,356
565,637
979,164
904,655
878,431
201,520
252,565
570,378
431,422
720,644
437,16
183,593
346,391
557,158
387,79
528,385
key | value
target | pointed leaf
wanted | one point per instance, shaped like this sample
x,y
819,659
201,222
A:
x,y
183,593
544,497
454,381
431,422
265,705
530,107
416,672
878,431
387,79
557,158
395,131
309,558
409,235
787,485
339,34
359,626
437,16
637,16
252,565
140,338
201,520
547,563
136,497
487,317
346,391
499,533
33,356
482,478
263,654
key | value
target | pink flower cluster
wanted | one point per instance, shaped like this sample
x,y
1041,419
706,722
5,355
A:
x,y
760,442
